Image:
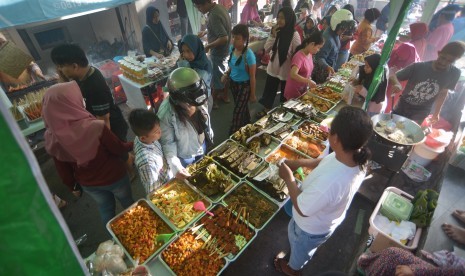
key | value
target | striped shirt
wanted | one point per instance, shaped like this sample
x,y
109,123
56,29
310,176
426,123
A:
x,y
151,164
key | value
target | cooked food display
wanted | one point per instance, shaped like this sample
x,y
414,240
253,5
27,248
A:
x,y
175,199
314,131
260,209
236,158
229,229
287,152
199,164
189,255
32,104
326,93
338,83
319,103
137,230
257,142
213,180
305,143
268,181
399,134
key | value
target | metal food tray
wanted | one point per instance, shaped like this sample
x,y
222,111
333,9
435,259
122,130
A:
x,y
295,120
260,193
310,122
263,149
313,140
216,198
274,197
316,108
218,161
168,187
158,213
171,272
303,155
302,114
231,257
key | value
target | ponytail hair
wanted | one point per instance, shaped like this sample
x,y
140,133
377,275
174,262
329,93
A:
x,y
353,127
242,30
316,37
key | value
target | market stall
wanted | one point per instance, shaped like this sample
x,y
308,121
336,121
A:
x,y
142,78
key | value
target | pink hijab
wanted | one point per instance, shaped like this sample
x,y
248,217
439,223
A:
x,y
403,56
73,134
250,12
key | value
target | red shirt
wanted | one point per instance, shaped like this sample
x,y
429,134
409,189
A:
x,y
107,167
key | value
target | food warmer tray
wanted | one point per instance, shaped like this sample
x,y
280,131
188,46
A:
x,y
185,185
142,202
259,193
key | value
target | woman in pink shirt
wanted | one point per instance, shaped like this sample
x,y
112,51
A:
x,y
302,66
418,33
438,38
249,15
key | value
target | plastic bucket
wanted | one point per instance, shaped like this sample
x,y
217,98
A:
x,y
423,154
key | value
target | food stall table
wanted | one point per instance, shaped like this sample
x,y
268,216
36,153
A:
x,y
136,93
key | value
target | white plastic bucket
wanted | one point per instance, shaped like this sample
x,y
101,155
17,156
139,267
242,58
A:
x,y
423,154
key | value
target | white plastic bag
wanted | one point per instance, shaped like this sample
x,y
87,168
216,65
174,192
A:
x,y
109,259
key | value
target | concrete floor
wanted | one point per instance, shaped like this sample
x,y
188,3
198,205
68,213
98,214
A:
x,y
337,254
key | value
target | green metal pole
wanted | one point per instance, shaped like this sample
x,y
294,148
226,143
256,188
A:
x,y
34,238
387,49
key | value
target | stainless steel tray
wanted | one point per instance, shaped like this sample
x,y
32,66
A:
x,y
292,151
228,149
234,217
254,205
318,143
308,94
323,97
299,127
171,272
262,181
215,198
194,195
145,203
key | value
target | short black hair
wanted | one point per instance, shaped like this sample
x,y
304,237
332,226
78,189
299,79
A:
x,y
454,48
372,14
200,2
66,54
142,121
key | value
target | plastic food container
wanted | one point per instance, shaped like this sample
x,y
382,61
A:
x,y
163,227
175,200
383,240
423,154
396,207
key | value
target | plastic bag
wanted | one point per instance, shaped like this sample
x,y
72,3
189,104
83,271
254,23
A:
x,y
348,94
109,259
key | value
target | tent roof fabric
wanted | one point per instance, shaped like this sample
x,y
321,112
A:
x,y
20,12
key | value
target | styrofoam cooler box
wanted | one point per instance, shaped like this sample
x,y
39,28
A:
x,y
383,240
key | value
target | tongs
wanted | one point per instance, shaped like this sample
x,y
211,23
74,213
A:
x,y
391,125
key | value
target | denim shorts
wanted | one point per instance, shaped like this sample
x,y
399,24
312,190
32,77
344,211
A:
x,y
218,69
303,245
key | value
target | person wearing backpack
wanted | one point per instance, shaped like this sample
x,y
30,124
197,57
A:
x,y
241,76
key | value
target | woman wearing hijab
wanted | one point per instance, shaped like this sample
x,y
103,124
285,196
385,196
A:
x,y
365,78
155,39
418,33
249,15
87,154
282,43
309,26
193,53
401,57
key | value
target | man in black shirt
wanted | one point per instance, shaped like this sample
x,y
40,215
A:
x,y
72,64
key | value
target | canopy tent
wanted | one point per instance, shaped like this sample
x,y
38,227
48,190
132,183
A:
x,y
20,12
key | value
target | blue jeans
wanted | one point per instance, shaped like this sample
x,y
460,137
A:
x,y
303,245
188,161
105,197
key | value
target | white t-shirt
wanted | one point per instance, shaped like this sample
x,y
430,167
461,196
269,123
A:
x,y
326,195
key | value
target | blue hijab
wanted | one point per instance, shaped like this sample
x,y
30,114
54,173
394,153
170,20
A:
x,y
156,28
196,46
